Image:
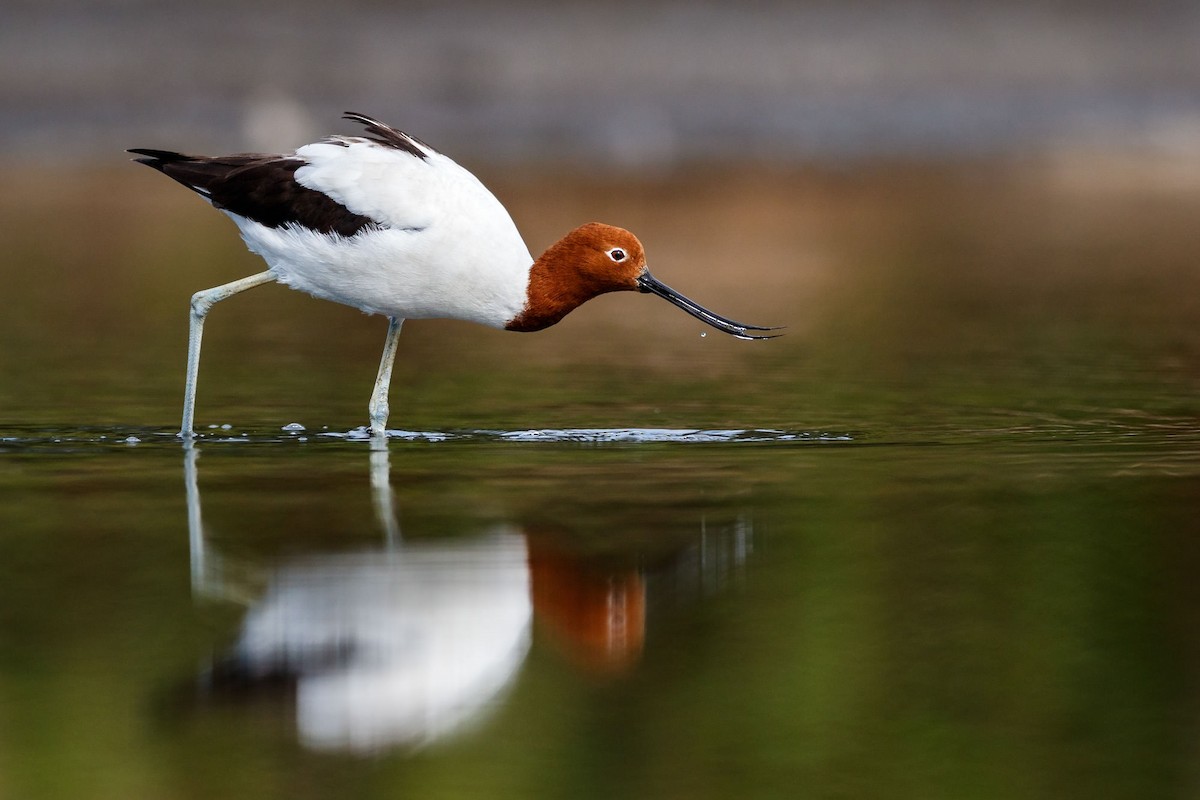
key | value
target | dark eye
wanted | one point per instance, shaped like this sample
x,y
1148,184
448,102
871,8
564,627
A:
x,y
616,254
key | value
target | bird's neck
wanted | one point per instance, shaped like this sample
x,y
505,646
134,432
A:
x,y
556,288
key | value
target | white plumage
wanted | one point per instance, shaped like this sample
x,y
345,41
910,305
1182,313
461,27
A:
x,y
446,247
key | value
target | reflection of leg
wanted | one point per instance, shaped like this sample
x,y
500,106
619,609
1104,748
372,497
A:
x,y
378,408
381,491
195,522
201,303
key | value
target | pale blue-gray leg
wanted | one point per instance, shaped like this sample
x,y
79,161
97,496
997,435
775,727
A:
x,y
379,396
201,303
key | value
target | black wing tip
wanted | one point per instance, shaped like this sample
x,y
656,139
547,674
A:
x,y
158,159
165,155
362,119
384,134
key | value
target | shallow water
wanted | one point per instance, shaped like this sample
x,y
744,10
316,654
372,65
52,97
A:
x,y
937,541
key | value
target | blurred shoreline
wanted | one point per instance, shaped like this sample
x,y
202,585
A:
x,y
622,85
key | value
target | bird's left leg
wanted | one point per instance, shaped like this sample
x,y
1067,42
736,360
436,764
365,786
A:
x,y
202,303
379,397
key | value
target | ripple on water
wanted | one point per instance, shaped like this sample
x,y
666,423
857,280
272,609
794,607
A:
x,y
605,435
60,439
1175,436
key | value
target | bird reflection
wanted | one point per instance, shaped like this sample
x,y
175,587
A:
x,y
596,618
403,649
413,641
402,645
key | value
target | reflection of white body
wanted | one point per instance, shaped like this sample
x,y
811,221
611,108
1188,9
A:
x,y
394,647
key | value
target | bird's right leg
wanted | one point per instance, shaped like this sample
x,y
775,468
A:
x,y
201,303
378,408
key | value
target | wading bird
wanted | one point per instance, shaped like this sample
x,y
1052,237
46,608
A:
x,y
385,223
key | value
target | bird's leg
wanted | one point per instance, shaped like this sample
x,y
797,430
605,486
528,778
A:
x,y
201,303
383,381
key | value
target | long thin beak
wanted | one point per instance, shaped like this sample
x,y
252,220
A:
x,y
648,283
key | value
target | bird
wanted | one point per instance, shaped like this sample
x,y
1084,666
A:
x,y
387,224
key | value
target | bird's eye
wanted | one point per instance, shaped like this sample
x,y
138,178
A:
x,y
617,254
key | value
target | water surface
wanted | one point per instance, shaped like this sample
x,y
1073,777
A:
x,y
936,542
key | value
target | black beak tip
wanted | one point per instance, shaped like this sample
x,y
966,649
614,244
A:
x,y
759,337
648,284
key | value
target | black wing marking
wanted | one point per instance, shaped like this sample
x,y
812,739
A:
x,y
259,187
388,136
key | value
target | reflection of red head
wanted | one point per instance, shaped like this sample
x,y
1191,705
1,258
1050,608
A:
x,y
598,619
